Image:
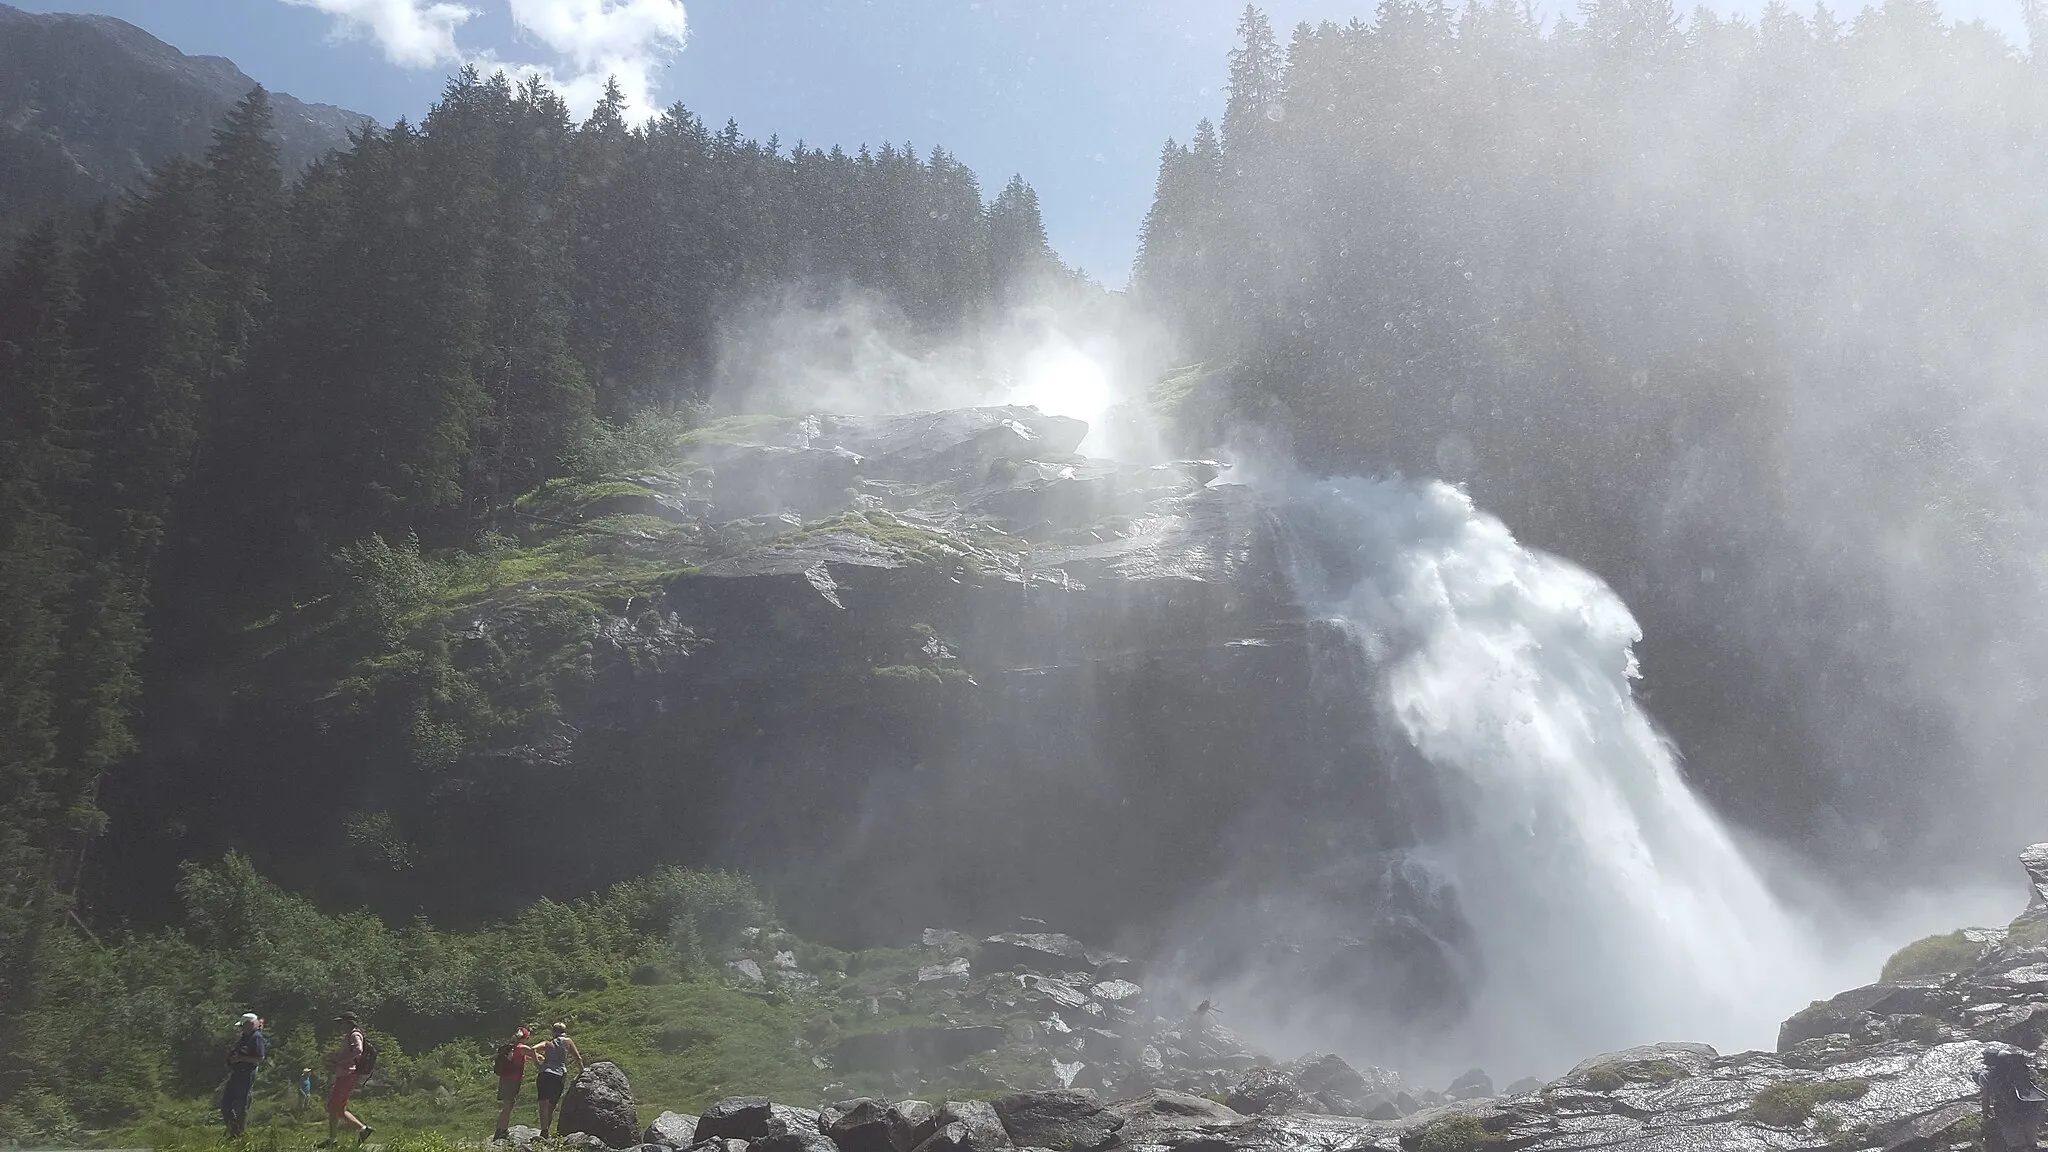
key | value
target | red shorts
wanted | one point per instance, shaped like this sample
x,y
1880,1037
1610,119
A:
x,y
337,1094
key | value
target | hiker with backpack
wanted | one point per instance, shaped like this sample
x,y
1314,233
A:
x,y
244,1054
513,1056
554,1056
351,1064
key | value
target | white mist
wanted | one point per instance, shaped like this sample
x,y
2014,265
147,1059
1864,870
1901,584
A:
x,y
1609,905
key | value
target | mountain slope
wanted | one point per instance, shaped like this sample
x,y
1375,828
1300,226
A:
x,y
89,103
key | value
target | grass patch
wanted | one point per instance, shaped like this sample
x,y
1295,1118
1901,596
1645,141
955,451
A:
x,y
2029,933
1932,956
743,429
914,542
1611,1077
1789,1103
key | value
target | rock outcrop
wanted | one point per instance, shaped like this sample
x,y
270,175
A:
x,y
918,618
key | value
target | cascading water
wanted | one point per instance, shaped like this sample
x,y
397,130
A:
x,y
1607,905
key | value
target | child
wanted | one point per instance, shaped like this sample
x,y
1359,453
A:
x,y
305,1100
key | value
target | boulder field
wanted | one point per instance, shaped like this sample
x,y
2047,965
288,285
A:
x,y
1887,1066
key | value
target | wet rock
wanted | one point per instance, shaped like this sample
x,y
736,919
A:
x,y
1335,1086
1069,1119
736,1118
783,1119
1475,1084
1170,1118
521,1136
1930,1130
970,1126
794,1141
1049,952
953,973
600,1103
1269,1092
872,1126
671,1130
1378,1107
945,942
2035,860
582,1142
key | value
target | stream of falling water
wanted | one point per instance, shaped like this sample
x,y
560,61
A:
x,y
1609,906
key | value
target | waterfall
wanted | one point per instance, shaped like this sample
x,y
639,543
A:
x,y
1608,905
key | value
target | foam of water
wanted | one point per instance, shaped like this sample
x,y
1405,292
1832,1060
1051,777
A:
x,y
1610,907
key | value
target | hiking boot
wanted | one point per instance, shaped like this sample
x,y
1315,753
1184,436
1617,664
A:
x,y
364,1135
327,1143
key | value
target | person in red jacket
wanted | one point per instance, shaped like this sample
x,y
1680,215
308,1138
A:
x,y
344,1065
513,1056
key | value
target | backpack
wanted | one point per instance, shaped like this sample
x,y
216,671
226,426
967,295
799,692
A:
x,y
367,1062
509,1063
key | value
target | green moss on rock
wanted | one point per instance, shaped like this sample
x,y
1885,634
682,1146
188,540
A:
x,y
1790,1103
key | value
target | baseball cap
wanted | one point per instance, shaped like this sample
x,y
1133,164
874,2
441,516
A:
x,y
249,1018
522,1033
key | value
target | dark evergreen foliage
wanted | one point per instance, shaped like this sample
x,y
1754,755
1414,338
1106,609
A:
x,y
228,379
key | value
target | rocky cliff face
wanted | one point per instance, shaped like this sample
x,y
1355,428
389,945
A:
x,y
88,104
934,666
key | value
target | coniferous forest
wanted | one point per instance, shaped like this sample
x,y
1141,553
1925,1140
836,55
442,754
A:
x,y
1741,315
227,378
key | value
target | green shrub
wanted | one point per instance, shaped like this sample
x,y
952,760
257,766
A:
x,y
1605,1078
1932,956
1790,1103
1455,1134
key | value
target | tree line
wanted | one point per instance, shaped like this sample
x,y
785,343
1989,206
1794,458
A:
x,y
1744,315
226,377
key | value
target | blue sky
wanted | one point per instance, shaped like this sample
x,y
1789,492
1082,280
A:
x,y
1078,95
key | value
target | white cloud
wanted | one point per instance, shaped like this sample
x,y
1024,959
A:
x,y
587,41
625,40
415,33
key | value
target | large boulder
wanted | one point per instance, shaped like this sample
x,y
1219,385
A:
x,y
1070,1119
967,1126
600,1103
783,1120
1270,1092
1475,1084
1170,1118
671,1130
1337,1087
872,1126
736,1118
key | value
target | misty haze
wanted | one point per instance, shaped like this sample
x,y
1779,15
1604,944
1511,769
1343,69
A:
x,y
1503,606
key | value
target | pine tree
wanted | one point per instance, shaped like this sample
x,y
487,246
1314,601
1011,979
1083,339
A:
x,y
1256,82
1020,256
44,410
